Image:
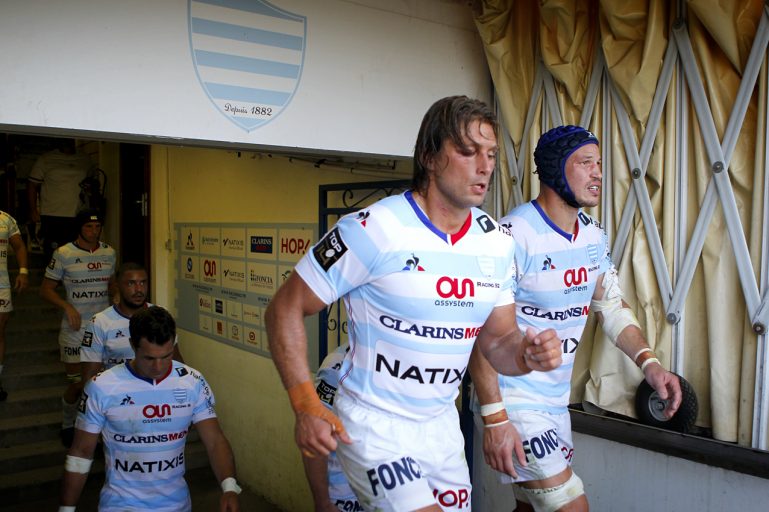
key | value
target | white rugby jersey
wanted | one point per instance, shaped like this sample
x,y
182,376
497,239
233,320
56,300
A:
x,y
106,339
326,384
8,228
556,276
85,275
416,298
144,425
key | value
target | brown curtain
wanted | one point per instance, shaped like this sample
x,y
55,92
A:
x,y
632,36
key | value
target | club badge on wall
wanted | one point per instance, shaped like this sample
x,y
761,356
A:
x,y
248,56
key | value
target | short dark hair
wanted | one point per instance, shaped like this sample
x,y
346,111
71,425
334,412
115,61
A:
x,y
154,324
447,119
128,266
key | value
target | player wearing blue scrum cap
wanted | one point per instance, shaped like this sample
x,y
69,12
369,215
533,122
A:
x,y
563,271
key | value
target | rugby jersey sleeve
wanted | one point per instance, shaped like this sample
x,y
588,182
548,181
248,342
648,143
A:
x,y
327,379
92,345
55,268
340,261
13,227
203,401
91,416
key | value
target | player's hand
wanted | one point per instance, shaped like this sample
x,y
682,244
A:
x,y
317,428
316,436
73,317
228,502
499,445
667,386
21,283
542,352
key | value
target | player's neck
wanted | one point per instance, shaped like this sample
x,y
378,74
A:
x,y
444,216
83,244
561,214
127,310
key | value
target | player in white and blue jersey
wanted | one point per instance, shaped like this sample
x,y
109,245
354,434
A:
x,y
563,271
105,339
330,489
425,276
85,267
10,237
143,410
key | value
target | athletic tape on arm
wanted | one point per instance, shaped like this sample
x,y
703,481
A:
x,y
615,317
77,464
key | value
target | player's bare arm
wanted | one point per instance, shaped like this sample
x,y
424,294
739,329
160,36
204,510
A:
x,y
622,328
316,428
512,352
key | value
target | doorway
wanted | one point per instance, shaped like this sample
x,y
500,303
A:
x,y
134,203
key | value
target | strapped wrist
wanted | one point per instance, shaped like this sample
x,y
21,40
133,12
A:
x,y
649,361
229,484
489,409
23,270
302,396
644,356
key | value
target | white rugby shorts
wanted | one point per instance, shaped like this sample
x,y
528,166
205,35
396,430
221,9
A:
x,y
6,304
396,463
547,443
69,342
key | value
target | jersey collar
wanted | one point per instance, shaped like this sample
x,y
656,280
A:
x,y
452,239
571,237
145,379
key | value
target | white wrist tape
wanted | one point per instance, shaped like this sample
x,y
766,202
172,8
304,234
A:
x,y
77,465
229,484
492,425
489,409
23,270
650,361
67,508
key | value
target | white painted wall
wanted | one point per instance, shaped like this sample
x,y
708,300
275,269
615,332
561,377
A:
x,y
111,68
621,477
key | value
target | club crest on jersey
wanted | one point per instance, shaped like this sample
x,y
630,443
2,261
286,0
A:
x,y
593,251
486,264
180,395
330,249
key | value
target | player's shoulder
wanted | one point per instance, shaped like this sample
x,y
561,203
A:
x,y
485,224
108,379
186,374
588,222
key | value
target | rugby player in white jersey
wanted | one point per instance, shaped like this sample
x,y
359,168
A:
x,y
143,410
85,267
425,275
563,271
10,237
105,340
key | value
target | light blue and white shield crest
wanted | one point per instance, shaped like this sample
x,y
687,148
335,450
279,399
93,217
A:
x,y
248,56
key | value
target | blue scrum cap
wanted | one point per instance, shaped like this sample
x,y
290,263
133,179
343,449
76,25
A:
x,y
555,146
